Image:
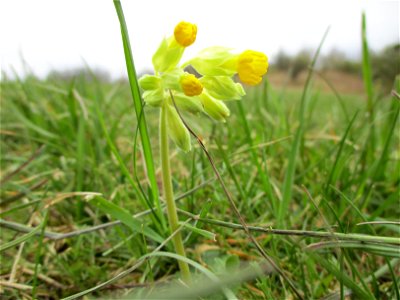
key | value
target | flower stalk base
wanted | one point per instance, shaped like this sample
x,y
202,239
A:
x,y
169,195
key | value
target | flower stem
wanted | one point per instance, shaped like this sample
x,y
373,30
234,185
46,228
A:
x,y
169,195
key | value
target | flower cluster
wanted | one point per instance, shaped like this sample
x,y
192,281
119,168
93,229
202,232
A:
x,y
216,65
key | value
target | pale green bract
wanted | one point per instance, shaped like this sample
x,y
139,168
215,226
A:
x,y
189,104
177,130
168,55
214,61
223,87
216,109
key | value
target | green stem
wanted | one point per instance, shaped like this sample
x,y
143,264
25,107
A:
x,y
169,195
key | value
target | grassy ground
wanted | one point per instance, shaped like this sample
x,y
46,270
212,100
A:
x,y
53,143
314,172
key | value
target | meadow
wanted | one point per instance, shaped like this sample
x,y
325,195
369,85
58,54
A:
x,y
313,171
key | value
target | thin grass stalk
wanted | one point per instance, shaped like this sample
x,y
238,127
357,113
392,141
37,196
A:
x,y
367,71
368,84
289,232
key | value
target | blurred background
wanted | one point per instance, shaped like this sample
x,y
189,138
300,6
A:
x,y
61,38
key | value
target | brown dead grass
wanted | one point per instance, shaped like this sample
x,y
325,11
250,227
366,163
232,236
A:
x,y
344,83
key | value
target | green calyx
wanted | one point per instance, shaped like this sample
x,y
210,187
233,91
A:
x,y
216,109
168,55
223,87
176,129
215,61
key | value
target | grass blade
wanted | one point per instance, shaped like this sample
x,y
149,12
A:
x,y
367,77
122,165
377,249
347,281
341,145
137,101
290,172
80,161
125,217
262,173
207,234
382,162
231,170
21,239
366,66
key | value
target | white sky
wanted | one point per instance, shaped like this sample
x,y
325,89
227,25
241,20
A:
x,y
59,34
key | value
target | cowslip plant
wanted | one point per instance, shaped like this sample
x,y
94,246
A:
x,y
206,94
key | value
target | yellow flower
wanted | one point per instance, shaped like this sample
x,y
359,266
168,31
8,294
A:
x,y
185,33
251,66
220,61
216,65
171,49
191,86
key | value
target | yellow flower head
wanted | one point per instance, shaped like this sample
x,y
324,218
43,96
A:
x,y
191,86
185,33
252,65
217,66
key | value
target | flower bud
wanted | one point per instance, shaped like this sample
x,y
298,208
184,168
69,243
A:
x,y
251,66
154,97
214,61
177,130
190,104
185,33
191,86
223,87
216,109
150,82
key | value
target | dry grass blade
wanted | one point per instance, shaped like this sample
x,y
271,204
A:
x,y
60,197
379,223
24,165
13,285
396,94
46,279
24,193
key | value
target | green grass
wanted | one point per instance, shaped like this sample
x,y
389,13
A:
x,y
304,168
